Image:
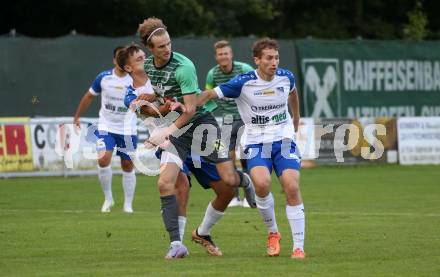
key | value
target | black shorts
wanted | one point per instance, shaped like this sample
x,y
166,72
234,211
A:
x,y
235,135
203,138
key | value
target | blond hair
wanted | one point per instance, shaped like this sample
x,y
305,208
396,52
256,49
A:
x,y
151,26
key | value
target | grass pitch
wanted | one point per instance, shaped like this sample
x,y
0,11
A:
x,y
369,220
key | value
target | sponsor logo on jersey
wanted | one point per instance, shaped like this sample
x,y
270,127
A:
x,y
122,109
276,119
113,108
124,88
268,107
280,89
260,119
279,117
266,92
110,107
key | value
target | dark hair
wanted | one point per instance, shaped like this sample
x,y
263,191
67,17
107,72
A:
x,y
264,43
116,50
221,44
149,28
125,53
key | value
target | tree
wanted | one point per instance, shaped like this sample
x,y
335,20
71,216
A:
x,y
416,28
328,19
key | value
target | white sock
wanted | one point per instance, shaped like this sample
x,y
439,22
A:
x,y
295,215
212,216
105,178
266,206
182,223
129,184
175,243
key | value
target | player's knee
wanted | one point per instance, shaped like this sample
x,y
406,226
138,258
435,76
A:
x,y
223,192
262,185
165,186
262,182
231,180
292,189
104,161
127,165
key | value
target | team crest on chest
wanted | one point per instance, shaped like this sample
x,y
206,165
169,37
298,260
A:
x,y
160,89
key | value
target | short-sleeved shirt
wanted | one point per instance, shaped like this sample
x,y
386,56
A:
x,y
112,114
175,79
263,105
216,77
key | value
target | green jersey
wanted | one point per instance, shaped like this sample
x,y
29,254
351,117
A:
x,y
175,79
216,77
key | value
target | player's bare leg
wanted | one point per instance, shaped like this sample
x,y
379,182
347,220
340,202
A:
x,y
214,212
231,177
228,173
236,199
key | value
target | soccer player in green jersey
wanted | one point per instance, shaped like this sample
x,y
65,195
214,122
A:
x,y
225,70
195,133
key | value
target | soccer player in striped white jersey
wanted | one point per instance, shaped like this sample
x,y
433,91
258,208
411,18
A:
x,y
112,131
263,98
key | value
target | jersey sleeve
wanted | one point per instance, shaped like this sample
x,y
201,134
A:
x,y
96,88
210,79
232,88
186,77
291,79
130,96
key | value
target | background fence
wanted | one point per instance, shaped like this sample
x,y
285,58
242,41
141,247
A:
x,y
47,77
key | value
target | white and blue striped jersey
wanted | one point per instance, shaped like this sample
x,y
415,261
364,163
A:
x,y
112,113
263,105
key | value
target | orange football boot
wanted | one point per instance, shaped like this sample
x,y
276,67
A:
x,y
298,254
273,244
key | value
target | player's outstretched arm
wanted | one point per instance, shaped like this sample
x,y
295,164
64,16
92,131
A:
x,y
85,102
170,106
147,97
206,95
151,110
189,110
190,105
294,108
